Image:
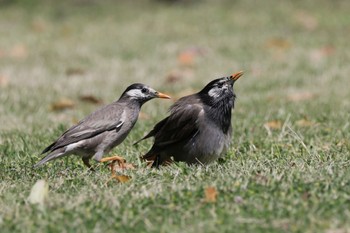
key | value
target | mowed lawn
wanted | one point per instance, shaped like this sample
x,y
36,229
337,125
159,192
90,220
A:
x,y
288,168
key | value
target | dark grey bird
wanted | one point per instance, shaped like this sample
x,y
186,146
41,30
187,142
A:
x,y
102,130
198,129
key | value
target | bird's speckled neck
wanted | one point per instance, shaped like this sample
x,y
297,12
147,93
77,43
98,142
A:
x,y
220,110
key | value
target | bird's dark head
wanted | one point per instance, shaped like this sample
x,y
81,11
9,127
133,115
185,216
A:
x,y
220,88
142,93
219,98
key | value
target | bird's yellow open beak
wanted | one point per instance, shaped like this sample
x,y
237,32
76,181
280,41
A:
x,y
162,95
236,76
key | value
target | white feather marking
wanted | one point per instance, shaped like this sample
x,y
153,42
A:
x,y
135,93
122,118
73,146
214,92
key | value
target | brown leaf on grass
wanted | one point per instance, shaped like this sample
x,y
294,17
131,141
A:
x,y
306,20
275,124
327,50
300,96
38,25
19,51
210,194
178,75
74,71
173,77
90,99
188,56
2,53
278,43
3,81
186,59
62,104
122,178
304,123
318,55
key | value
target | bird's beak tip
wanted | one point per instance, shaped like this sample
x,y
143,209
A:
x,y
236,76
163,96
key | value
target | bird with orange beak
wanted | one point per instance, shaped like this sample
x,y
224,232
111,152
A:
x,y
102,130
198,129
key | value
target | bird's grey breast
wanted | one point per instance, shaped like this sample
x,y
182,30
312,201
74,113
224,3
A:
x,y
128,118
210,142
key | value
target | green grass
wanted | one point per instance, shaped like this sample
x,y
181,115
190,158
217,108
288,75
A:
x,y
295,178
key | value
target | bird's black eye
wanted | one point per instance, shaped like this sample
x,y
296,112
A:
x,y
220,85
144,90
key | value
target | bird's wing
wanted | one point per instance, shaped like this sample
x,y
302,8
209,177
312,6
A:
x,y
110,117
181,125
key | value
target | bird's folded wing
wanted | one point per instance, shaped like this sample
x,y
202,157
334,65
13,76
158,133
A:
x,y
96,123
181,125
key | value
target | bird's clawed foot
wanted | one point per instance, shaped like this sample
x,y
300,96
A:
x,y
121,162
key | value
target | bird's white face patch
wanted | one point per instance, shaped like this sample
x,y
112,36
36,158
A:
x,y
215,92
136,93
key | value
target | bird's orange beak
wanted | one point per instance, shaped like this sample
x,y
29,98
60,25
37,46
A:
x,y
163,96
236,76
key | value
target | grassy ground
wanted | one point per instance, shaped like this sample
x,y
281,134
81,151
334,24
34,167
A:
x,y
288,170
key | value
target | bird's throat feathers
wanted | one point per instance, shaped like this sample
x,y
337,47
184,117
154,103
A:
x,y
220,110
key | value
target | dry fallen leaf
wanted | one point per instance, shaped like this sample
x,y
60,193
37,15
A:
x,y
38,25
278,43
90,99
304,123
173,77
275,124
306,20
122,178
189,55
3,81
19,51
74,71
300,96
320,54
62,104
210,194
39,193
2,53
186,58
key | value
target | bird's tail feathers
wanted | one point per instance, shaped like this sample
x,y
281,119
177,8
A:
x,y
145,137
53,155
